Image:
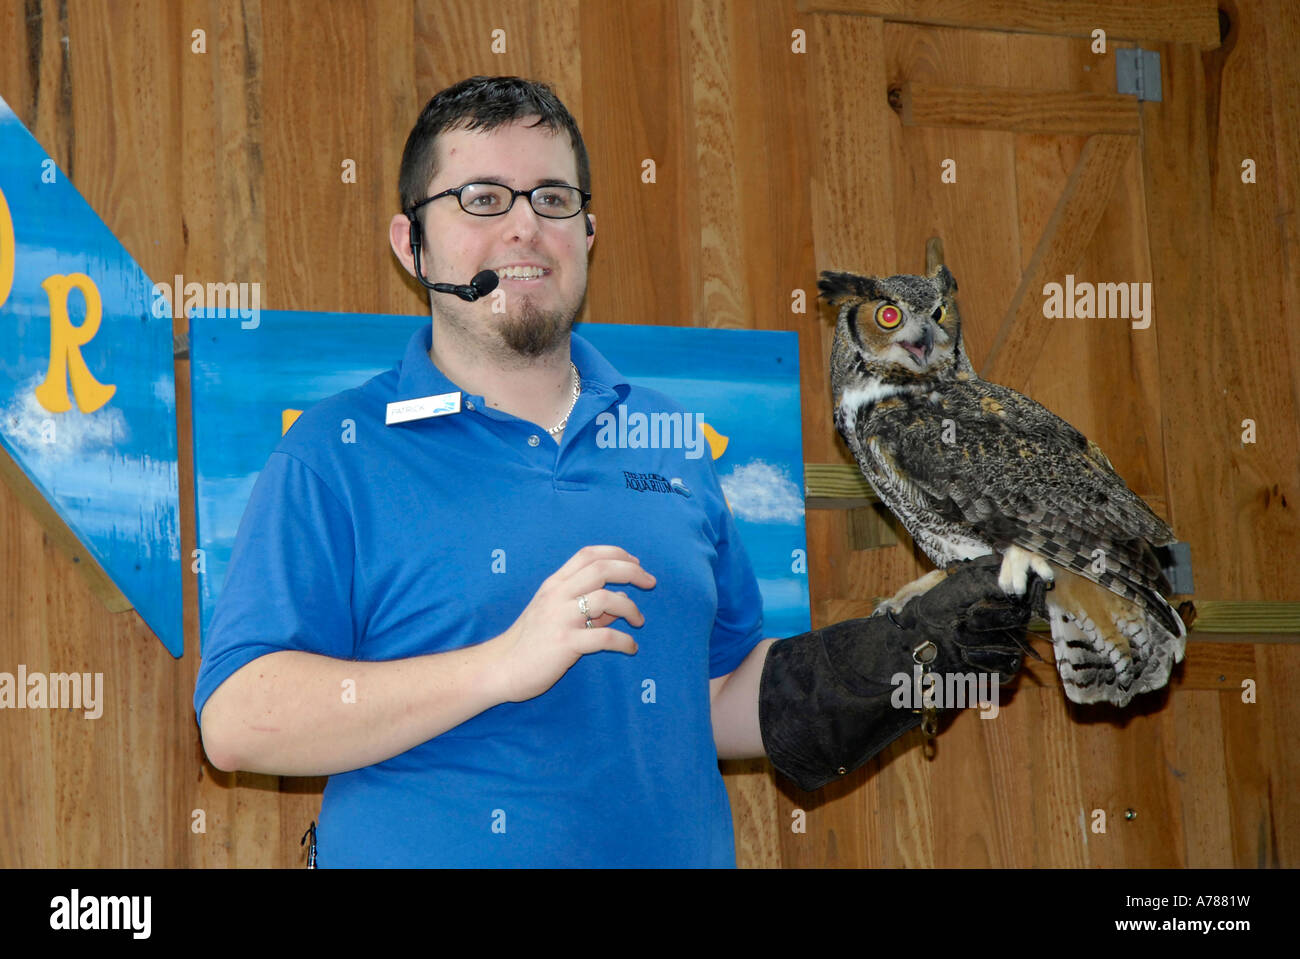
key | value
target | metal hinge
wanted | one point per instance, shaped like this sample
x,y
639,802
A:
x,y
1176,563
1137,71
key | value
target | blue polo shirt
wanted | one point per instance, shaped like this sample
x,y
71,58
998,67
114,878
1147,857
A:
x,y
363,541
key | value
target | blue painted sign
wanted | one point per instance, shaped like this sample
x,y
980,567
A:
x,y
87,391
247,388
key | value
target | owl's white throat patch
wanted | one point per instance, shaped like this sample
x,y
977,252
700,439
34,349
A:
x,y
869,394
859,400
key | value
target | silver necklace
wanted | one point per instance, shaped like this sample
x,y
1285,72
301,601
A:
x,y
577,388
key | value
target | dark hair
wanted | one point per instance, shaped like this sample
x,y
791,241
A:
x,y
482,103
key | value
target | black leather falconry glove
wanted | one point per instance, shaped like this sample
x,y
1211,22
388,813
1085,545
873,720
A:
x,y
825,698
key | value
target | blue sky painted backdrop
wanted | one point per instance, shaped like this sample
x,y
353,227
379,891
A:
x,y
745,382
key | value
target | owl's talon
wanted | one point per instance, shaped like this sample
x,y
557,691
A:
x,y
1017,564
913,589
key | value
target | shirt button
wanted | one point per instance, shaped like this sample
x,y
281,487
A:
x,y
533,440
469,405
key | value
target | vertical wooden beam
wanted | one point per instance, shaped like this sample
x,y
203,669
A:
x,y
1024,329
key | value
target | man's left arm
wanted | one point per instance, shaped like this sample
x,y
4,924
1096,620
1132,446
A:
x,y
734,702
821,704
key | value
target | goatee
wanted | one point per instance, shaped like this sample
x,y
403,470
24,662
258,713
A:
x,y
534,333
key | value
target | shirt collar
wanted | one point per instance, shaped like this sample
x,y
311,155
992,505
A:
x,y
417,376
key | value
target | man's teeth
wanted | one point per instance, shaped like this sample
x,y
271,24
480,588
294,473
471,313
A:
x,y
522,272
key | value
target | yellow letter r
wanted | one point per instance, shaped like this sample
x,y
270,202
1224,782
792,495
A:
x,y
66,342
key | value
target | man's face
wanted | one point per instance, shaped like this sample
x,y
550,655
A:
x,y
538,311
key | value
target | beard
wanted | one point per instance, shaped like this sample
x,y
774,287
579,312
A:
x,y
534,332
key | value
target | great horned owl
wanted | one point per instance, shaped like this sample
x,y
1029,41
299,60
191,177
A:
x,y
971,467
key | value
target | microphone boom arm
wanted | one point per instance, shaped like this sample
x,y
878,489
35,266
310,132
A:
x,y
483,283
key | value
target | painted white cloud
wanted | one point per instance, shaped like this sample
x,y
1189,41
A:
x,y
164,390
762,493
59,436
783,594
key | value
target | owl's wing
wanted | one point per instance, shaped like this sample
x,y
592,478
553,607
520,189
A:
x,y
1014,474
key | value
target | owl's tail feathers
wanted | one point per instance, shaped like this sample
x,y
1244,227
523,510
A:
x,y
1108,649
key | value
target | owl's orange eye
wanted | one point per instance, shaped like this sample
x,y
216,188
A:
x,y
888,316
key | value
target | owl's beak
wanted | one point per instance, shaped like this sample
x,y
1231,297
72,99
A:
x,y
922,348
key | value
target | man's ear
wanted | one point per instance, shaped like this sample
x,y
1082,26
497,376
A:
x,y
591,230
399,238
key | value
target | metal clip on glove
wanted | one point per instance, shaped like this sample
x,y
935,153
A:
x,y
824,699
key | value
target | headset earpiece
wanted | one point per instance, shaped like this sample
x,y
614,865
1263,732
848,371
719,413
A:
x,y
415,250
415,238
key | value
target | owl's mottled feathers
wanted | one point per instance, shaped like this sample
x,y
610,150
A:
x,y
971,467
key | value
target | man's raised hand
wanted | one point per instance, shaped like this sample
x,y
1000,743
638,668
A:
x,y
553,632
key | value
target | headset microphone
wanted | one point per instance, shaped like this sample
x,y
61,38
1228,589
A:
x,y
481,285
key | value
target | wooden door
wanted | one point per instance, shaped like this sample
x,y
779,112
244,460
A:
x,y
1058,175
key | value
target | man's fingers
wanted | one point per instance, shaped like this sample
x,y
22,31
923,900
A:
x,y
615,604
589,554
1036,595
1004,662
991,615
596,640
594,576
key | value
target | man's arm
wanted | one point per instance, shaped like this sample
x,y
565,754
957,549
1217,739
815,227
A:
x,y
292,713
985,645
734,700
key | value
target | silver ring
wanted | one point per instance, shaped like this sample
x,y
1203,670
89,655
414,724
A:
x,y
588,626
583,607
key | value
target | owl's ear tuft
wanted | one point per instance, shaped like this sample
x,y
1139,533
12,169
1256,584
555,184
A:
x,y
835,287
947,282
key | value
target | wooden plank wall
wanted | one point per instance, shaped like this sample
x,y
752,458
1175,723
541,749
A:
x,y
771,164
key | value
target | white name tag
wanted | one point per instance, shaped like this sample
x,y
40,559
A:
x,y
422,407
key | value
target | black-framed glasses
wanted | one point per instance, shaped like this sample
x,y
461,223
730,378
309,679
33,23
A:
x,y
555,201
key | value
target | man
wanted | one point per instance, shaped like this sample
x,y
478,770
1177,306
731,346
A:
x,y
428,614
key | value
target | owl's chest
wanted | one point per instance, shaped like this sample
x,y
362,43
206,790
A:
x,y
893,413
948,415
911,454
